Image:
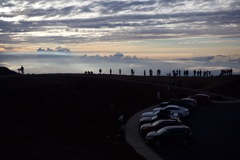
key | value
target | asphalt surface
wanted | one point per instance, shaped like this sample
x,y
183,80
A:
x,y
216,130
133,137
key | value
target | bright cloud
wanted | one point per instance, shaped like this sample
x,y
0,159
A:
x,y
117,20
62,62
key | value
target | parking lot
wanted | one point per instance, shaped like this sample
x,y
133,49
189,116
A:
x,y
216,130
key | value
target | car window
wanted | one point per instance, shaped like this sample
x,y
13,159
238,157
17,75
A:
x,y
156,111
167,123
165,111
172,108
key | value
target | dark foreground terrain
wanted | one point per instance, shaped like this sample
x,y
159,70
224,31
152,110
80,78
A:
x,y
73,116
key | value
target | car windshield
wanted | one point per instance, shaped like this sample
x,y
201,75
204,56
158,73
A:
x,y
154,117
165,111
161,131
156,111
156,122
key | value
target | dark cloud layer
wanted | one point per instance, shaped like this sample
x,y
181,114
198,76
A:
x,y
116,20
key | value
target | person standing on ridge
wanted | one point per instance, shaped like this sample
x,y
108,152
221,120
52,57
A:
x,y
22,69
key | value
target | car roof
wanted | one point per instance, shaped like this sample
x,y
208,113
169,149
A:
x,y
188,99
164,129
200,94
166,120
172,105
175,127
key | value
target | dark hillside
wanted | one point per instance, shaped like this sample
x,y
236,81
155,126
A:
x,y
225,85
68,116
73,116
6,71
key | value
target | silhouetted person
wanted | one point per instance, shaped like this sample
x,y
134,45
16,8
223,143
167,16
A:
x,y
22,70
174,73
132,72
100,71
120,71
150,72
110,71
158,72
144,73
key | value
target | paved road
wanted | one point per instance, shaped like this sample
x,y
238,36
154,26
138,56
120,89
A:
x,y
135,140
216,131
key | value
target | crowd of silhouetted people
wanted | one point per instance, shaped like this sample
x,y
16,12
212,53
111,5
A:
x,y
226,72
198,73
175,73
202,73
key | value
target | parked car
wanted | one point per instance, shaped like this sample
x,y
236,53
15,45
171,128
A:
x,y
170,135
184,102
144,120
156,111
177,102
182,112
148,127
201,98
191,103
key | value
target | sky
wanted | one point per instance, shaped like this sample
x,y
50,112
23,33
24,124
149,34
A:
x,y
140,29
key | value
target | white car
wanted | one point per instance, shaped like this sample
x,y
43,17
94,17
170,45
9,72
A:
x,y
155,112
182,112
151,113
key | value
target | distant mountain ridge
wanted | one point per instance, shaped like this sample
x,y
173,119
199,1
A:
x,y
6,71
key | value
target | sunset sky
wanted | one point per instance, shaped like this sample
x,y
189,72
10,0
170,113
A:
x,y
144,28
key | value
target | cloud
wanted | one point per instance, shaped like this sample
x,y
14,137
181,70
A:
x,y
113,7
69,63
7,48
6,3
117,57
44,21
216,58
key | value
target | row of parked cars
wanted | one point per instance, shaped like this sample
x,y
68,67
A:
x,y
163,124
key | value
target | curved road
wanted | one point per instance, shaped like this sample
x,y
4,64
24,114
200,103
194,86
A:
x,y
216,130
